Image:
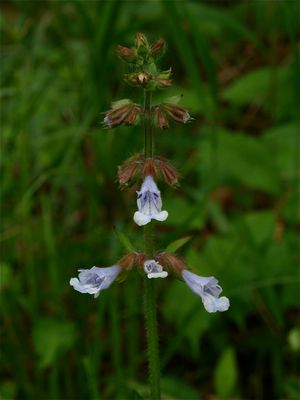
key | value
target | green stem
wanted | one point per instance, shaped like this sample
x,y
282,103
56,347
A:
x,y
149,288
148,125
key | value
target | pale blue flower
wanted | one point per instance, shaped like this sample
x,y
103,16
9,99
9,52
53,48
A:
x,y
154,270
149,203
95,279
208,289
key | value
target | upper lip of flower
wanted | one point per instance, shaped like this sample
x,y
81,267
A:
x,y
149,203
208,289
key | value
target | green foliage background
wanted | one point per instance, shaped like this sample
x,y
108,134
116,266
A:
x,y
237,65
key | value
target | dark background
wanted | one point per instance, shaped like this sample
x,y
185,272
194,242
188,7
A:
x,y
237,65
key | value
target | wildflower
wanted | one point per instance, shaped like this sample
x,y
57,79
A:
x,y
149,203
95,279
154,270
208,289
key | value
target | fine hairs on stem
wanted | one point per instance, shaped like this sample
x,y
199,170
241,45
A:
x,y
146,168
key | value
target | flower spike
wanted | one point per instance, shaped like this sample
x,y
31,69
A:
x,y
95,279
209,291
149,203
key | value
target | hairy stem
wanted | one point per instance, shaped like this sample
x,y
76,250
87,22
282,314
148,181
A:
x,y
149,287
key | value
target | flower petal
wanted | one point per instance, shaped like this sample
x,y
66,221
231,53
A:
x,y
141,219
213,304
162,274
161,216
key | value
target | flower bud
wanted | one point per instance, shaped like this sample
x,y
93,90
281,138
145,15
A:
x,y
162,83
169,260
131,259
122,111
138,167
179,114
160,119
150,168
163,75
130,168
141,42
126,54
138,78
133,116
143,78
167,171
157,47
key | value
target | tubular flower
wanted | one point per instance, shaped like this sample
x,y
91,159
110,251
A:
x,y
95,279
208,289
154,270
149,203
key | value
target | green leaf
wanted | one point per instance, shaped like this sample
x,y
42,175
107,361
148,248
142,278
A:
x,y
174,246
175,389
124,240
225,375
120,103
268,87
189,317
253,87
261,226
239,159
51,339
173,99
6,275
282,142
294,339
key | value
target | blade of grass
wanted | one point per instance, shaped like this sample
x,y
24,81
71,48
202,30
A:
x,y
174,21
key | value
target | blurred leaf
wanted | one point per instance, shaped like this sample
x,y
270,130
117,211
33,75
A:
x,y
184,213
222,18
270,88
124,240
8,390
261,225
6,275
294,339
255,86
135,395
175,389
282,142
189,316
174,246
291,210
239,159
173,19
51,339
226,374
